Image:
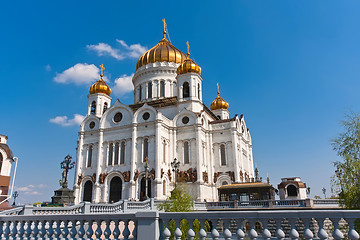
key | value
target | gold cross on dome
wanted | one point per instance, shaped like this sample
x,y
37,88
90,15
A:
x,y
188,48
218,92
164,24
146,159
102,69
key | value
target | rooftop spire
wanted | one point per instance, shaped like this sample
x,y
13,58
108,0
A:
x,y
164,32
218,91
188,49
102,69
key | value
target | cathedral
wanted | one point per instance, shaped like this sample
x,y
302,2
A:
x,y
167,136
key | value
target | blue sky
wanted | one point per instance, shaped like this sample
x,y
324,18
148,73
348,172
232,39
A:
x,y
291,67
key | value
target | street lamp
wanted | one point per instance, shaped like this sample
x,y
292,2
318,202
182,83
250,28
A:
x,y
15,195
146,178
338,173
175,165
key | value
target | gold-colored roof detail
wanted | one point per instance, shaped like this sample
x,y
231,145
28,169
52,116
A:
x,y
100,86
219,102
164,51
188,65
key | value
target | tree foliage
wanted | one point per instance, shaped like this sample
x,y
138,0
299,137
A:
x,y
346,183
179,201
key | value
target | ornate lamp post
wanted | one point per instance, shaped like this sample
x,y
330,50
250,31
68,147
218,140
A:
x,y
175,165
338,173
146,178
15,195
66,165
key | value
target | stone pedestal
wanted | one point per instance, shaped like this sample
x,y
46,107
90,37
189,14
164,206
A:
x,y
63,196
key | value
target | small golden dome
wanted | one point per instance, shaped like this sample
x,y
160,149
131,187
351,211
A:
x,y
164,51
188,65
219,102
100,86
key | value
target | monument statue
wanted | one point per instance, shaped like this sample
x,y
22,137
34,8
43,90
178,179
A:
x,y
66,165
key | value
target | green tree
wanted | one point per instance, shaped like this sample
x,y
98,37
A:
x,y
346,181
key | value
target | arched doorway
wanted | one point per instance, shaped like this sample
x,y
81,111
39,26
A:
x,y
142,189
87,196
115,189
291,191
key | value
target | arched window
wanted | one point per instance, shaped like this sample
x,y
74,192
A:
x,y
111,150
186,153
149,90
122,153
87,196
164,187
89,156
115,190
222,155
162,89
140,90
105,107
224,183
186,90
291,191
116,160
146,149
93,107
1,161
198,90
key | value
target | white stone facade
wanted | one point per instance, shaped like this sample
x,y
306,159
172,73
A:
x,y
166,121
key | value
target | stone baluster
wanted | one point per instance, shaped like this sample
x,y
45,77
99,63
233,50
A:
x,y
202,232
28,230
166,233
107,231
2,224
73,231
178,232
337,234
293,234
7,230
50,229
240,234
98,230
134,232
42,231
65,230
279,233
116,231
57,231
190,233
322,234
81,230
89,230
214,232
227,233
126,232
14,230
352,234
21,230
252,233
266,233
308,234
35,230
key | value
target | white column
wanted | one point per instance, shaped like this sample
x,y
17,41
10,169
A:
x,y
79,163
234,155
133,162
98,166
157,160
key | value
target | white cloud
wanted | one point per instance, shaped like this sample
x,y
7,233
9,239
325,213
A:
x,y
80,73
123,85
30,189
134,50
103,49
126,51
65,122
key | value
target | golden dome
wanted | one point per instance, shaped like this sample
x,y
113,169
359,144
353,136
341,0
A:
x,y
100,86
188,65
219,102
164,51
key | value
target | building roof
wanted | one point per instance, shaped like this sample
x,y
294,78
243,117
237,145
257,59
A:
x,y
246,185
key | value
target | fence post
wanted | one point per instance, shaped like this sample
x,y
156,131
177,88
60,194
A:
x,y
86,207
148,225
28,210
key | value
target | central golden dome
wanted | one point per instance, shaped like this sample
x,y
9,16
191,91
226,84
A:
x,y
164,51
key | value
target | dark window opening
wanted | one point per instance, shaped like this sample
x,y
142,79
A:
x,y
93,107
162,89
186,153
222,155
146,149
291,191
116,160
115,189
122,153
89,156
149,90
105,107
143,187
186,90
87,196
